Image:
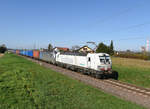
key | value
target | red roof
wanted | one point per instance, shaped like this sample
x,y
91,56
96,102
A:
x,y
63,48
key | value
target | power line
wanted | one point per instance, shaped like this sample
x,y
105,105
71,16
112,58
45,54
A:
x,y
114,15
133,38
132,27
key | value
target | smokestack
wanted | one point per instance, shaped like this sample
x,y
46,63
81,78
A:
x,y
147,46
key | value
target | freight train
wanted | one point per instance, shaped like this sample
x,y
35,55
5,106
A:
x,y
98,65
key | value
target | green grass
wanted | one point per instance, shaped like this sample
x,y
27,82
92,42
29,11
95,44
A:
x,y
27,85
133,71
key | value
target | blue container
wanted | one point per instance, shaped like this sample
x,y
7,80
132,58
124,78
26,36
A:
x,y
24,52
21,52
30,53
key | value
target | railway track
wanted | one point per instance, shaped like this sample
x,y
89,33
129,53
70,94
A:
x,y
130,87
123,90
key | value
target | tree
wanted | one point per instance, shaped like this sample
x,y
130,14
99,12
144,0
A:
x,y
50,47
111,48
3,48
102,48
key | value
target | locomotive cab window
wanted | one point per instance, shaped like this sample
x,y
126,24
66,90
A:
x,y
105,59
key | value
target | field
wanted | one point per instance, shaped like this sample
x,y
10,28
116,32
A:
x,y
133,71
24,84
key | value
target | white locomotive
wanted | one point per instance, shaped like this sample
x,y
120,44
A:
x,y
95,61
98,65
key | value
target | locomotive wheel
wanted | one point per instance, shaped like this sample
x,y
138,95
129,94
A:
x,y
102,76
97,76
93,75
115,75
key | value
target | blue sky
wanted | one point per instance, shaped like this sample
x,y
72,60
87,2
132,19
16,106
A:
x,y
25,23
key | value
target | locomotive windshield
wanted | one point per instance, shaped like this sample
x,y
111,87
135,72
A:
x,y
104,59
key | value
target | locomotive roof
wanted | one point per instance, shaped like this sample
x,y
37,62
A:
x,y
83,54
74,53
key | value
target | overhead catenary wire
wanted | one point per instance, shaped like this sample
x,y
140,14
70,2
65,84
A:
x,y
123,39
122,12
131,27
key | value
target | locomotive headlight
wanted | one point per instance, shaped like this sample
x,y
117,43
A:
x,y
101,68
104,68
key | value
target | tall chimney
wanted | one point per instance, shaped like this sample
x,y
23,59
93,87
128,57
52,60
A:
x,y
147,46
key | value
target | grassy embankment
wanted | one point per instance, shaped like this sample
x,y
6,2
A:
x,y
24,84
133,71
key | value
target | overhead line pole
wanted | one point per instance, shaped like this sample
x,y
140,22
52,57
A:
x,y
94,43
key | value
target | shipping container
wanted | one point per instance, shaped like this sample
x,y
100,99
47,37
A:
x,y
36,54
47,56
30,53
17,51
21,52
26,53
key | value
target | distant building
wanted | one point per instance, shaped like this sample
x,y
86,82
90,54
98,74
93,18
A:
x,y
86,49
61,49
